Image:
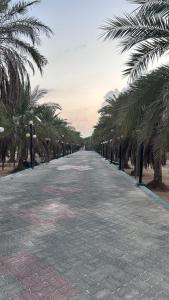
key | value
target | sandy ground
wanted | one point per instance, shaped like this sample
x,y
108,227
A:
x,y
148,177
7,170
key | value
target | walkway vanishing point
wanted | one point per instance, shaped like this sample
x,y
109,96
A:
x,y
79,229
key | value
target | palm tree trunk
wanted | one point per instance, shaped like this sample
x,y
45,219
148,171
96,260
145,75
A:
x,y
157,182
3,163
157,172
135,171
126,163
22,156
12,155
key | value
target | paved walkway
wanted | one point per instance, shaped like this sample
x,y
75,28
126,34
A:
x,y
78,229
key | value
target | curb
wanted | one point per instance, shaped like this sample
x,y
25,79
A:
x,y
148,192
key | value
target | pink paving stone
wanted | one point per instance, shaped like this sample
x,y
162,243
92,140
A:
x,y
44,292
53,279
48,214
56,296
39,287
38,278
61,191
3,270
29,282
68,292
25,296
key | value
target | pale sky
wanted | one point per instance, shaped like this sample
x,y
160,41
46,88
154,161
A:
x,y
82,68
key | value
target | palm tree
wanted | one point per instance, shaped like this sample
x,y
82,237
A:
x,y
17,119
19,38
145,31
141,114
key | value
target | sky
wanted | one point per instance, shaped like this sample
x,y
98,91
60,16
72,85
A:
x,y
82,68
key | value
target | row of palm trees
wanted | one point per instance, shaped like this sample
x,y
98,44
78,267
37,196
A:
x,y
20,37
140,114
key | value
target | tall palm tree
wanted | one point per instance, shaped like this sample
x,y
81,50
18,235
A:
x,y
145,31
19,38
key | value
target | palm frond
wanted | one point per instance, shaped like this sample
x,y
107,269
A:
x,y
154,7
37,94
145,31
134,26
21,7
143,54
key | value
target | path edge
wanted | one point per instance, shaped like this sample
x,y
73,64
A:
x,y
142,187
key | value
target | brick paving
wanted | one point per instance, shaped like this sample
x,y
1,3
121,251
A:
x,y
78,229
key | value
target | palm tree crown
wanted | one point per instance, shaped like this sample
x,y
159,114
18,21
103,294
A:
x,y
19,38
145,31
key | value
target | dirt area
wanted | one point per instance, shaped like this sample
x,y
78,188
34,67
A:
x,y
7,170
148,177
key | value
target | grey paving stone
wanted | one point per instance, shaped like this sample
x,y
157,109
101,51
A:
x,y
88,231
